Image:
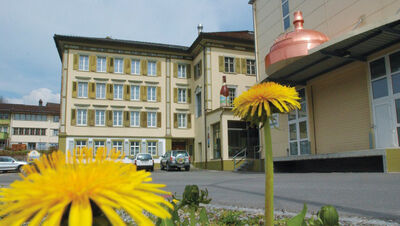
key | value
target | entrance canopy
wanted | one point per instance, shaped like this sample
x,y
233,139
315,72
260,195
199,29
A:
x,y
356,45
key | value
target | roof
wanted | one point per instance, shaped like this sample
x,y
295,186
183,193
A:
x,y
50,108
235,36
353,46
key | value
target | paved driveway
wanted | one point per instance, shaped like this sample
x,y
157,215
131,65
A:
x,y
374,195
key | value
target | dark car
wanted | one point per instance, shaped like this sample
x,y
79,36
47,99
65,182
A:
x,y
144,161
178,159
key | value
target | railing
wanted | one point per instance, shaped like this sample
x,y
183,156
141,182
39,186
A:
x,y
254,152
242,155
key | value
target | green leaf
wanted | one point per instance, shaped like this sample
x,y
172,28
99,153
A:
x,y
203,217
165,222
192,217
299,218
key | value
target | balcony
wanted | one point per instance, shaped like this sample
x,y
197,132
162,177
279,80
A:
x,y
3,135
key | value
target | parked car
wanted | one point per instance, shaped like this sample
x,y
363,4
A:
x,y
177,159
144,161
8,163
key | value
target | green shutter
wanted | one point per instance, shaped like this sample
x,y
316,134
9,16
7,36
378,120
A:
x,y
92,90
175,70
189,95
237,65
110,65
127,119
188,71
127,66
158,94
221,63
92,63
91,117
159,119
189,121
127,92
143,119
143,65
244,66
74,89
109,120
110,91
143,93
76,62
175,95
175,120
158,68
73,117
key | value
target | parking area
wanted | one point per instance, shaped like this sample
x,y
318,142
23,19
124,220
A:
x,y
373,195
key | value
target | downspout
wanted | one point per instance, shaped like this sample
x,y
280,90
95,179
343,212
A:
x,y
220,137
205,103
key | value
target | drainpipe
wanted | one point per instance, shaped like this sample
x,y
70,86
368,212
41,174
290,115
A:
x,y
220,137
205,102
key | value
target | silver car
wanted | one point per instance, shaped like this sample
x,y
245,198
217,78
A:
x,y
8,163
178,159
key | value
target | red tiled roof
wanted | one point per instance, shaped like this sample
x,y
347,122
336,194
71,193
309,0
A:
x,y
50,108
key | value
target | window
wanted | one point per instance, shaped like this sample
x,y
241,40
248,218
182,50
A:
x,y
117,115
4,116
135,119
118,90
118,64
151,68
181,95
229,64
135,92
81,117
151,93
135,148
216,131
82,89
182,120
197,70
83,63
151,119
100,90
298,128
232,96
135,67
117,145
56,118
274,120
152,147
100,115
198,104
101,64
251,67
80,144
55,132
181,71
285,14
98,144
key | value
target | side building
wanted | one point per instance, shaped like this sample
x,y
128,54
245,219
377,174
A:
x,y
150,97
35,126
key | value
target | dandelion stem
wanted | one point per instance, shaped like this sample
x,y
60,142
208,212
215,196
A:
x,y
269,176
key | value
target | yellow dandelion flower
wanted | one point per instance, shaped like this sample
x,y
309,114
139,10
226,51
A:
x,y
263,99
61,188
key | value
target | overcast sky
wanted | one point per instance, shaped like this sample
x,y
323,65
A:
x,y
30,68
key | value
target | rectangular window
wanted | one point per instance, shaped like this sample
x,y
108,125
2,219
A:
x,y
100,90
135,148
80,144
118,90
117,145
56,118
135,119
43,132
98,144
151,93
198,104
117,118
229,64
151,68
181,71
135,92
4,116
101,64
118,65
232,96
181,95
197,70
285,14
100,115
83,63
81,116
152,147
135,67
55,132
151,119
82,89
251,67
182,120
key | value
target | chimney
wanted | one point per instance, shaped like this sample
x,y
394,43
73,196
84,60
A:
x,y
40,102
199,29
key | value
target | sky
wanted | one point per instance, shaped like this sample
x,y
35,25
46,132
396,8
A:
x,y
30,68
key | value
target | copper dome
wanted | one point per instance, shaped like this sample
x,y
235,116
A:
x,y
294,44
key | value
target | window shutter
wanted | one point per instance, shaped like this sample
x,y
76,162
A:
x,y
175,95
92,90
92,63
109,118
188,71
143,119
143,68
175,120
110,64
76,62
91,117
189,95
127,66
237,65
110,92
244,66
74,88
126,119
158,94
143,93
127,92
221,63
201,67
73,117
159,119
175,70
158,68
189,121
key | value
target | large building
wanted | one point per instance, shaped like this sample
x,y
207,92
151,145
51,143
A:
x,y
149,97
349,82
35,126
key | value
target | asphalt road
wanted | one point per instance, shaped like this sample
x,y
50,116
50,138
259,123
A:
x,y
372,195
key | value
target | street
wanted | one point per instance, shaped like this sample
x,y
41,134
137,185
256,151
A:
x,y
372,195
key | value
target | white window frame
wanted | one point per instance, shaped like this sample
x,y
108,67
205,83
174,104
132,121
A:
x,y
231,98
151,95
100,117
151,68
134,148
152,147
83,62
135,119
55,132
81,117
182,120
287,16
97,145
101,64
151,119
135,67
100,91
118,65
182,71
117,118
135,92
118,145
118,91
80,144
251,66
83,89
182,94
229,67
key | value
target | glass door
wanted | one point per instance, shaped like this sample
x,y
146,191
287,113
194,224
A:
x,y
299,143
